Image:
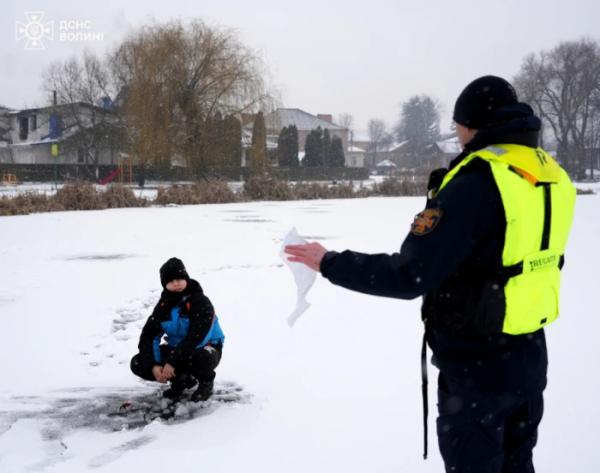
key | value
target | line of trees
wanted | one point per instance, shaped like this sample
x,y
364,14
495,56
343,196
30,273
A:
x,y
287,147
177,90
563,87
259,158
417,128
321,149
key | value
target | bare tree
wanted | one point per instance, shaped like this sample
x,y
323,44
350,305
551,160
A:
x,y
379,138
6,152
4,125
346,121
377,132
83,91
563,86
178,77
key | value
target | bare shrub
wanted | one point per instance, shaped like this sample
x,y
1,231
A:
x,y
118,196
214,192
79,196
585,191
180,195
205,192
309,191
267,188
341,191
395,187
27,203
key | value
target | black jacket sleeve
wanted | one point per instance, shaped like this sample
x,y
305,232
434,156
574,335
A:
x,y
201,315
151,330
469,204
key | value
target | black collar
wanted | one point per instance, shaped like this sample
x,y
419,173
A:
x,y
520,131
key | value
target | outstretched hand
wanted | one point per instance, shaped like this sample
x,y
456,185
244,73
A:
x,y
309,254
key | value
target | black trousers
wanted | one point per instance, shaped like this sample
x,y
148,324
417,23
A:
x,y
487,434
201,365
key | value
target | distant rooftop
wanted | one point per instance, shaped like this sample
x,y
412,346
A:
x,y
450,146
59,106
283,117
386,163
397,146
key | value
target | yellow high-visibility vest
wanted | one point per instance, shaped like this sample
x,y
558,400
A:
x,y
539,200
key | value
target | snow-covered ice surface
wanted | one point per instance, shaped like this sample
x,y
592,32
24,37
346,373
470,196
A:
x,y
338,392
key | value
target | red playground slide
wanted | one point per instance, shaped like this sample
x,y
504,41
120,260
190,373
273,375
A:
x,y
110,177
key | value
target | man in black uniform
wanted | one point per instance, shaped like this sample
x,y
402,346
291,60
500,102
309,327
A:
x,y
490,383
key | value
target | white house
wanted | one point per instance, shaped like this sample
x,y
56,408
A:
x,y
304,122
355,157
32,132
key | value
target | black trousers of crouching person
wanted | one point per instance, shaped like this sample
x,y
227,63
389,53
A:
x,y
201,365
487,434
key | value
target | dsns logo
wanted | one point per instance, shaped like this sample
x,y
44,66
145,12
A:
x,y
35,31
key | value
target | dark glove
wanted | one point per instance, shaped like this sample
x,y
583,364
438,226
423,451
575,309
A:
x,y
435,181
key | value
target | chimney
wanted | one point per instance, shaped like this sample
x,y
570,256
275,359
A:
x,y
325,117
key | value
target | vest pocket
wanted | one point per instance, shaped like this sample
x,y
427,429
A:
x,y
532,301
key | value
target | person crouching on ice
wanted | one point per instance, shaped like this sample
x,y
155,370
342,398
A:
x,y
182,340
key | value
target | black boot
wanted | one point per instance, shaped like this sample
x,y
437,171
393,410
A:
x,y
178,385
203,392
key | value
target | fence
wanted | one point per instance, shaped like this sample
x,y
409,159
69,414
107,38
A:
x,y
72,172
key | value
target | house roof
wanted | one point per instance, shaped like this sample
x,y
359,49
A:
x,y
283,117
397,146
355,149
386,163
45,141
450,146
59,106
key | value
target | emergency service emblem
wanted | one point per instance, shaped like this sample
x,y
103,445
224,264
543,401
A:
x,y
426,221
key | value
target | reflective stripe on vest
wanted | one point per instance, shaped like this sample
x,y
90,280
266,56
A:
x,y
538,199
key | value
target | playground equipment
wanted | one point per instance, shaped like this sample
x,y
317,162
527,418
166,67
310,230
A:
x,y
9,179
125,169
124,172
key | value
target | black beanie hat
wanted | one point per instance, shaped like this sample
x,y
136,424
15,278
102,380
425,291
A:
x,y
480,103
172,269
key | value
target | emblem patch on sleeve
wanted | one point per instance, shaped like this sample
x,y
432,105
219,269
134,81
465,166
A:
x,y
426,221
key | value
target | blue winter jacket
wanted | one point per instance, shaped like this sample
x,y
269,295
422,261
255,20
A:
x,y
177,329
187,319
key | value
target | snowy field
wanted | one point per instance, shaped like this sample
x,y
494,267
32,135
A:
x,y
340,392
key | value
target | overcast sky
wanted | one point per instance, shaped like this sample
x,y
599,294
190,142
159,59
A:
x,y
364,58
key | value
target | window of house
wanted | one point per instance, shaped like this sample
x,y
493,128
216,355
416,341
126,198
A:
x,y
353,162
33,123
80,156
23,128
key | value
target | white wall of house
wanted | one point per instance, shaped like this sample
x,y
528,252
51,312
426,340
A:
x,y
29,142
34,122
355,157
